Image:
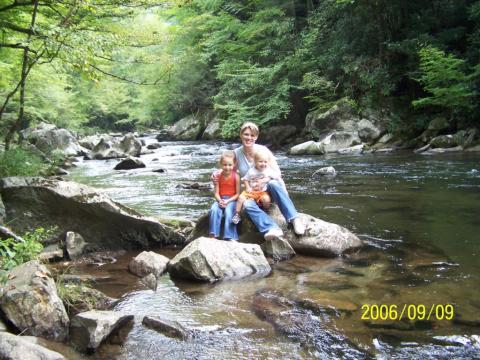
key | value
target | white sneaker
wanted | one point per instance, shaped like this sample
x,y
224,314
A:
x,y
236,218
298,226
273,233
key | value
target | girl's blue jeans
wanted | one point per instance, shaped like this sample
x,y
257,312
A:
x,y
260,218
216,214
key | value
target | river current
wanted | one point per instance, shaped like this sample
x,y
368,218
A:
x,y
418,215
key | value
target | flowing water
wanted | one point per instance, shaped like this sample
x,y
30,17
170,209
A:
x,y
418,214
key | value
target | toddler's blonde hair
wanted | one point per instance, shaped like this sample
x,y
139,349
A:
x,y
227,154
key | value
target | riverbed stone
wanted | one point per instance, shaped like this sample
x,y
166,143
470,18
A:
x,y
129,163
277,136
89,329
52,252
210,260
168,328
31,303
213,131
352,150
14,347
33,202
148,262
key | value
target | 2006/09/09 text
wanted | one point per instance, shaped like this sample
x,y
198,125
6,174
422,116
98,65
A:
x,y
407,311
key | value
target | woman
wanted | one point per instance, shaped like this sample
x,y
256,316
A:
x,y
244,158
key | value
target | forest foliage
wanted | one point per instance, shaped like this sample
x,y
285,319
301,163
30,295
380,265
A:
x,y
122,65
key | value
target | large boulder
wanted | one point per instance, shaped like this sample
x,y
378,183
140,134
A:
x,y
89,329
211,260
33,202
129,163
188,128
110,147
13,347
342,117
321,238
47,138
30,302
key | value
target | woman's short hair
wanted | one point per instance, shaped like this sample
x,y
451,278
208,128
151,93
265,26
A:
x,y
250,125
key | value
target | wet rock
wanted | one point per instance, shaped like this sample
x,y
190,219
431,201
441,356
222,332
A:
x,y
325,171
31,303
74,245
167,327
129,163
211,260
160,171
74,207
300,325
278,249
439,150
89,329
89,142
148,262
13,347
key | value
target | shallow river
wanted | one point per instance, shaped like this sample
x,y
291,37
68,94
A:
x,y
419,216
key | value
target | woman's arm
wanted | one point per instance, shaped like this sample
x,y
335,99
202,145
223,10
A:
x,y
272,162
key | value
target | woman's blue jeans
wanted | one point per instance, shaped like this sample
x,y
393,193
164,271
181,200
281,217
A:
x,y
260,218
216,214
280,197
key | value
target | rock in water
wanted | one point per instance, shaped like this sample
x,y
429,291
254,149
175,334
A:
x,y
89,329
322,238
31,303
211,260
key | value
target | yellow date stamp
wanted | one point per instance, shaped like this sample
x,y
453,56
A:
x,y
407,312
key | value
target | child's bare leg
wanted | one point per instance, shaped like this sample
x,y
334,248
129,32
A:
x,y
241,199
266,201
238,207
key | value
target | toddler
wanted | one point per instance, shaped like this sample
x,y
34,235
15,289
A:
x,y
255,188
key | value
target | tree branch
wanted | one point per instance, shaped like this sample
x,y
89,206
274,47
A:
x,y
17,46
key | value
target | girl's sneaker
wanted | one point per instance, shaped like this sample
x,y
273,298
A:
x,y
236,218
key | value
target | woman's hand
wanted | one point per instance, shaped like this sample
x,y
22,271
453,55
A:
x,y
215,176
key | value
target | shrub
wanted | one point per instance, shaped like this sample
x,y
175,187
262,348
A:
x,y
20,162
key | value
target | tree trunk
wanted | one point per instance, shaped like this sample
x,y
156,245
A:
x,y
16,126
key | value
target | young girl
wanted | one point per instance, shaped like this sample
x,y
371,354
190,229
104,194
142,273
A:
x,y
227,190
255,189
